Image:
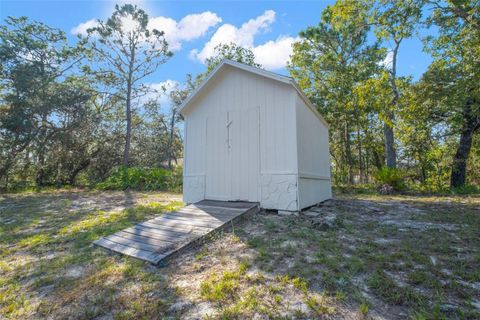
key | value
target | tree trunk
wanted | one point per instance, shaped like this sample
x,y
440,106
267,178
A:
x,y
368,142
390,154
26,166
73,175
376,159
170,140
459,166
40,177
128,135
359,145
128,111
360,160
348,153
471,122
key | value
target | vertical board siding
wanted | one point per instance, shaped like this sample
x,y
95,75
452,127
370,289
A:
x,y
313,157
277,127
262,134
195,128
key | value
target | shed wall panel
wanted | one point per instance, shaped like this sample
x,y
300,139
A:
x,y
314,183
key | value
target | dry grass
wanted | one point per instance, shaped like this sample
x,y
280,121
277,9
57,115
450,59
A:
x,y
383,257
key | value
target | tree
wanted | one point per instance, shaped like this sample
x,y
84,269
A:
x,y
393,21
233,52
452,79
126,51
329,61
230,51
177,96
39,100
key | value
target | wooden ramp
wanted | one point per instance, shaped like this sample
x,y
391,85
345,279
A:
x,y
161,237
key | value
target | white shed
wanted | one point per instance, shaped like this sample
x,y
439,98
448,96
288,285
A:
x,y
252,135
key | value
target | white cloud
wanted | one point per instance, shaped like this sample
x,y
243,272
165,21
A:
x,y
242,36
82,28
272,54
161,91
191,27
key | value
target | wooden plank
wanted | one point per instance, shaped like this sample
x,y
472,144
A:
x,y
161,229
158,235
129,243
192,215
175,228
129,251
145,239
181,229
196,217
201,218
188,223
191,222
213,212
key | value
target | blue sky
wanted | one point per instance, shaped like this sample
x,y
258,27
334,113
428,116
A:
x,y
194,27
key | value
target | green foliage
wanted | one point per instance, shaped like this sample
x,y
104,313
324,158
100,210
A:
x,y
138,178
62,106
230,51
450,85
466,189
329,62
68,112
44,104
391,177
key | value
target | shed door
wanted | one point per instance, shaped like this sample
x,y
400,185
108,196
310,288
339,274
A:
x,y
233,157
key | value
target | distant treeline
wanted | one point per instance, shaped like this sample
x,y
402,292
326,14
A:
x,y
77,114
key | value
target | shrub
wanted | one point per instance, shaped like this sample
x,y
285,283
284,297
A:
x,y
390,179
147,179
465,190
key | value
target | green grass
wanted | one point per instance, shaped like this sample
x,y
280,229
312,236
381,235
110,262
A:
x,y
320,305
239,295
386,288
46,248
